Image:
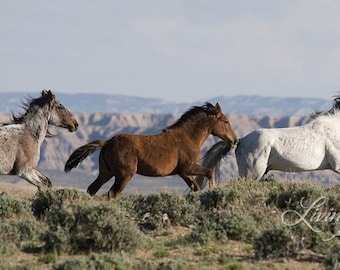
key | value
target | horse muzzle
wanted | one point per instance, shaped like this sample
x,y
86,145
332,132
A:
x,y
235,143
73,127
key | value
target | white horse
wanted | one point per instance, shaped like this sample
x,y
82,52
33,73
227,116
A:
x,y
310,147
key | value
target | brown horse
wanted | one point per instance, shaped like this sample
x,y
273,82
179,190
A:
x,y
174,151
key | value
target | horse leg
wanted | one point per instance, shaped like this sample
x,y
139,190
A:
x,y
102,178
106,172
198,170
118,186
35,178
46,181
252,162
192,184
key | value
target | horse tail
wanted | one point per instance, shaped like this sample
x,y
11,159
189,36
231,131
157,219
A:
x,y
212,160
81,153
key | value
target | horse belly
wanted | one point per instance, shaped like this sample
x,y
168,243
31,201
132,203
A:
x,y
159,167
298,158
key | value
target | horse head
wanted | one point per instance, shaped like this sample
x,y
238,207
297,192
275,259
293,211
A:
x,y
221,126
59,115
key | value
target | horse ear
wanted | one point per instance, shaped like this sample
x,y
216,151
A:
x,y
50,95
218,109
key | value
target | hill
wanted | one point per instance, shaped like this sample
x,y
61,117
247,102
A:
x,y
56,150
240,105
103,116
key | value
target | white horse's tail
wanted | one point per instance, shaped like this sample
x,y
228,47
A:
x,y
212,159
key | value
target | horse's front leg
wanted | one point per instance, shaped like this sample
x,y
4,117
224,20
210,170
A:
x,y
332,156
44,179
199,170
35,178
190,181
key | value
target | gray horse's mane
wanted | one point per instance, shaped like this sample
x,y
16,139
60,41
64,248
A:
x,y
335,109
193,112
29,105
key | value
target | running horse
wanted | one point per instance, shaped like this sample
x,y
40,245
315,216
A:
x,y
176,150
20,140
309,147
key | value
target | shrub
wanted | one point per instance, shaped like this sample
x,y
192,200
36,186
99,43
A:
x,y
240,223
48,258
161,253
290,195
272,244
13,207
332,259
44,200
7,249
174,265
22,233
218,198
83,228
151,210
102,261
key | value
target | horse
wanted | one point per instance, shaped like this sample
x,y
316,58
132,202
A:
x,y
21,138
309,147
176,150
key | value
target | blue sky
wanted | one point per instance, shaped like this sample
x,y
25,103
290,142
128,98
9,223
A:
x,y
176,50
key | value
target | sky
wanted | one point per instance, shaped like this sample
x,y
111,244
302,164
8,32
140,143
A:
x,y
178,50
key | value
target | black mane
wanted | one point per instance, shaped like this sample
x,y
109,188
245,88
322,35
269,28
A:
x,y
335,108
28,105
193,112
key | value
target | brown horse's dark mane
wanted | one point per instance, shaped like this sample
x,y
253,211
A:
x,y
192,113
335,108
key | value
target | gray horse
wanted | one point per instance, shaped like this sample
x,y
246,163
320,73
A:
x,y
21,139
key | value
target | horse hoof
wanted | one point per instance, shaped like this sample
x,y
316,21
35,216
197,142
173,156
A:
x,y
112,195
47,183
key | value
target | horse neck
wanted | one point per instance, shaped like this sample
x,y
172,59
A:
x,y
37,123
197,131
329,124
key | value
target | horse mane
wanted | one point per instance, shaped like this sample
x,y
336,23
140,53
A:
x,y
28,105
334,110
193,112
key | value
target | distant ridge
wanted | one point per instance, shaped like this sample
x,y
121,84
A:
x,y
112,103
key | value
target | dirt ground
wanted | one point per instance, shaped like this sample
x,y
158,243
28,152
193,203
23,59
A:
x,y
22,189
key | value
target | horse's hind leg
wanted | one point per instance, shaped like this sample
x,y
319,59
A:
x,y
106,172
118,186
198,170
102,178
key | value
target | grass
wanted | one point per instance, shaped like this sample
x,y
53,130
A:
x,y
238,226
